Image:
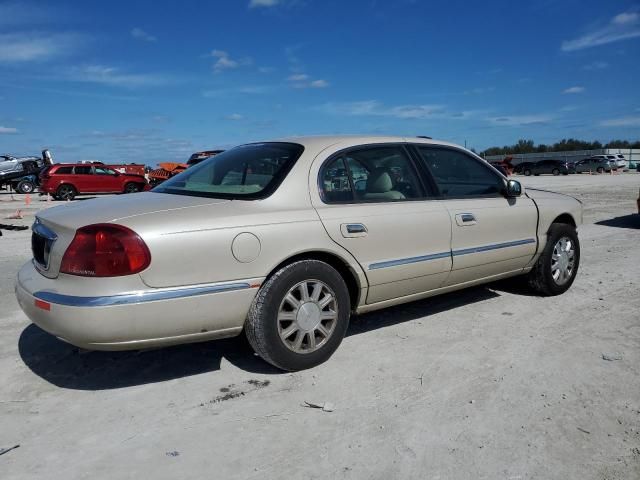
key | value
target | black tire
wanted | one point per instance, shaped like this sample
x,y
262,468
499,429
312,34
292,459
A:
x,y
66,192
527,172
600,170
541,277
131,188
261,327
25,186
555,172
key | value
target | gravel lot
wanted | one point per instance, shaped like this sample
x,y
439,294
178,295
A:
x,y
486,383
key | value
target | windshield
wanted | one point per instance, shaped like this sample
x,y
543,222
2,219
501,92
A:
x,y
248,171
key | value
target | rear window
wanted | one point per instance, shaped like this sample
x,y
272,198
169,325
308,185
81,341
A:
x,y
245,172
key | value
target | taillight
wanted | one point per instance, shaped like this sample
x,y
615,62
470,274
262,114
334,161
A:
x,y
105,250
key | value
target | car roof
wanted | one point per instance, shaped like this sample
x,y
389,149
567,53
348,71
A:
x,y
324,141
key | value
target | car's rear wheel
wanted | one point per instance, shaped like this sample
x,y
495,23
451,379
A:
x,y
25,186
131,188
66,192
600,170
527,172
558,264
556,172
299,316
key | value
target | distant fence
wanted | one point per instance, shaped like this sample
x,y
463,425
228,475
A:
x,y
632,155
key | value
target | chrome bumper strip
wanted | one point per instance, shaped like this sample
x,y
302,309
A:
x,y
405,261
138,297
494,246
436,256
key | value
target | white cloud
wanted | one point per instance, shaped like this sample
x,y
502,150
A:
x,y
235,117
225,62
29,47
140,34
621,27
243,90
319,84
479,91
375,108
598,65
7,130
630,121
521,120
626,18
116,78
263,3
302,80
575,89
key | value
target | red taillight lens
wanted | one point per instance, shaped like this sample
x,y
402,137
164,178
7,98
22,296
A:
x,y
105,250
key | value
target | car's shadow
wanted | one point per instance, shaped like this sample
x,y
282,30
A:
x,y
68,367
626,221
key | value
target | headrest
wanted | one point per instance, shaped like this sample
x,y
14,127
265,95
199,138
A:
x,y
379,181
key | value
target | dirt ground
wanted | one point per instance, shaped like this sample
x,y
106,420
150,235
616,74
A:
x,y
488,383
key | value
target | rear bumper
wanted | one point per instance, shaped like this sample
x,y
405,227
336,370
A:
x,y
141,319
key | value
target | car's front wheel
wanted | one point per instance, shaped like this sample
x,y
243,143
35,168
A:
x,y
299,316
527,172
557,266
600,170
556,172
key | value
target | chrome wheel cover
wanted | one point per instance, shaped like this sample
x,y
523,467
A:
x,y
307,316
563,260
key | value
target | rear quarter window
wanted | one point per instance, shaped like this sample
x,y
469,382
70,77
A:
x,y
63,171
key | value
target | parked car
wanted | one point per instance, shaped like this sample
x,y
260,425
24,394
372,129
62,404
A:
x,y
274,243
596,164
66,180
611,159
553,167
523,168
621,161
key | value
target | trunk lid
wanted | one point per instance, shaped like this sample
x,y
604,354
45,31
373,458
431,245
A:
x,y
55,227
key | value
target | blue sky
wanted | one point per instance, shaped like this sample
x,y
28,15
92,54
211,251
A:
x,y
150,81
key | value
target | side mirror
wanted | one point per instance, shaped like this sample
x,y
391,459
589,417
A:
x,y
514,189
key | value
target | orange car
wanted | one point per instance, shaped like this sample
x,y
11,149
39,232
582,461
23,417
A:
x,y
169,169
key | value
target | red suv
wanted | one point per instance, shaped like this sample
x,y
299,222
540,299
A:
x,y
65,181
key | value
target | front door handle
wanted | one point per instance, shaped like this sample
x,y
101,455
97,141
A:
x,y
465,219
353,230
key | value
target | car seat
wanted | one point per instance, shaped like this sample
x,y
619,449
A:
x,y
380,186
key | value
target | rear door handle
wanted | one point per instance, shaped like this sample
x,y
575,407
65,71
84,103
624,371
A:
x,y
353,230
465,219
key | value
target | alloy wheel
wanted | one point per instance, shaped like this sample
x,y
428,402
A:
x,y
563,260
307,316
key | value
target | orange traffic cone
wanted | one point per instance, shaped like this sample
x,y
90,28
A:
x,y
27,199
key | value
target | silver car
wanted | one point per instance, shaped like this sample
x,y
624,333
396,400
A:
x,y
285,240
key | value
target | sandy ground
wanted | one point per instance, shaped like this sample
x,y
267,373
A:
x,y
488,383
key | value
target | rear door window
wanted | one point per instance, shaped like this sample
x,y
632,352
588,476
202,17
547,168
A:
x,y
371,174
82,170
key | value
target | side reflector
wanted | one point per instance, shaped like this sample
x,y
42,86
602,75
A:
x,y
43,305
